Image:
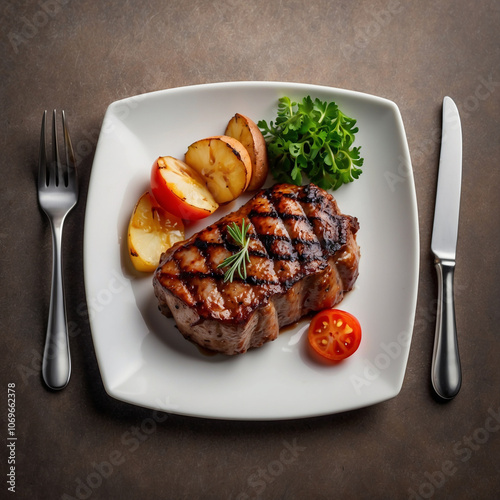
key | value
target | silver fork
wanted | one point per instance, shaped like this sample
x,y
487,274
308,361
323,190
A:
x,y
57,195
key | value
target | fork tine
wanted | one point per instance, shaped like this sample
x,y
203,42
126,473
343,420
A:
x,y
42,162
55,165
70,155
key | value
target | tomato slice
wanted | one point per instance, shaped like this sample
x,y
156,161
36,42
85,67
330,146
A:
x,y
334,334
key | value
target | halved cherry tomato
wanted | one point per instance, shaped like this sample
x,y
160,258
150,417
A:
x,y
334,334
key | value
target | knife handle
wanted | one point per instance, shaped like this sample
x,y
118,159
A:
x,y
446,372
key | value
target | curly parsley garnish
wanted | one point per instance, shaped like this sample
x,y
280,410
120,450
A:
x,y
239,260
312,138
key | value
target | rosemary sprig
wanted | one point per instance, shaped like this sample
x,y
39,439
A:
x,y
238,261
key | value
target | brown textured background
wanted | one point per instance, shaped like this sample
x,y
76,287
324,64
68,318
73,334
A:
x,y
81,56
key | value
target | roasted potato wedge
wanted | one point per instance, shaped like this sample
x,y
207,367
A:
x,y
151,231
247,132
224,163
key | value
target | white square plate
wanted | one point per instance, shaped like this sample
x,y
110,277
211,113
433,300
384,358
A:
x,y
145,361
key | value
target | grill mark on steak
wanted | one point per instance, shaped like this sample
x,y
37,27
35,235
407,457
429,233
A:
x,y
300,232
303,257
252,280
276,215
267,240
294,244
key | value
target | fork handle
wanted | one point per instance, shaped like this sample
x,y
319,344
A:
x,y
56,364
446,371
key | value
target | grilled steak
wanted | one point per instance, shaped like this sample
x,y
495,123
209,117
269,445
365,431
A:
x,y
303,258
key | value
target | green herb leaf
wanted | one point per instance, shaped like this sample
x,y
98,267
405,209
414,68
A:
x,y
313,139
239,260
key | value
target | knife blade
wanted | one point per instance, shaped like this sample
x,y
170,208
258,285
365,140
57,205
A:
x,y
446,374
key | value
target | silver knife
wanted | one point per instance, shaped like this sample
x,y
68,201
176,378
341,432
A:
x,y
446,371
